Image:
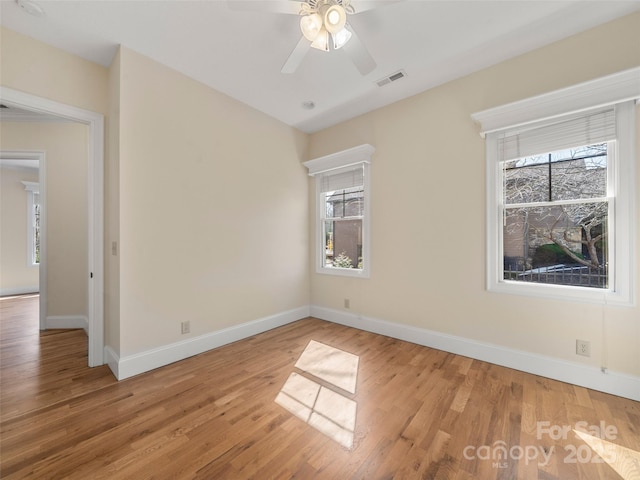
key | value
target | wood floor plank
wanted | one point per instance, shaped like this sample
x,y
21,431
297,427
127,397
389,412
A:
x,y
420,413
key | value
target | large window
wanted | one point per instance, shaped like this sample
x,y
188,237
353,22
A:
x,y
342,206
560,217
555,209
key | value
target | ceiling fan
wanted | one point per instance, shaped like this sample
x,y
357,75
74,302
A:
x,y
324,26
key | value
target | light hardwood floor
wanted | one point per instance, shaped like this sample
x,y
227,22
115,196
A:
x,y
421,413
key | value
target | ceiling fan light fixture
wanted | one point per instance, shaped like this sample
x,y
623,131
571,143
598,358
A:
x,y
335,18
340,38
31,7
311,25
321,42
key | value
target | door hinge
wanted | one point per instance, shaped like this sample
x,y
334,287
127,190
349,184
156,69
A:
x,y
91,275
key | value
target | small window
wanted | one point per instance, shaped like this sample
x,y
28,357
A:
x,y
33,223
342,193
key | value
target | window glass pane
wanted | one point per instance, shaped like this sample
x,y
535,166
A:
x,y
526,183
573,174
345,203
583,175
36,232
562,245
343,243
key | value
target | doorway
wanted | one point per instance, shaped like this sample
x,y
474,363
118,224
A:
x,y
23,165
95,162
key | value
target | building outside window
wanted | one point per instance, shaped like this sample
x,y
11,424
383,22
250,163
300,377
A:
x,y
344,214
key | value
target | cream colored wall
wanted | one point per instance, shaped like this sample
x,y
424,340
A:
x,y
65,146
112,211
213,209
428,182
40,69
16,274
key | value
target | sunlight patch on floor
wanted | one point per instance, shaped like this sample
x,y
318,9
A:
x,y
623,460
321,407
335,366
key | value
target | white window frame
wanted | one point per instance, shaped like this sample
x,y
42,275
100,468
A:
x,y
360,155
621,90
32,188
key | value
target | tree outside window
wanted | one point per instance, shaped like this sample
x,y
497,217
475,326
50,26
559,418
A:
x,y
555,217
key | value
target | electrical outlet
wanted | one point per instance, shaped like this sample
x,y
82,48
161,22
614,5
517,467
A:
x,y
347,303
186,327
583,348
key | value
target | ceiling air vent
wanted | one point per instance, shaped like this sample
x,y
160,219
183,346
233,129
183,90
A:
x,y
391,78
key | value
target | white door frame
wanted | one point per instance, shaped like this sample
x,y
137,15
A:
x,y
42,268
95,163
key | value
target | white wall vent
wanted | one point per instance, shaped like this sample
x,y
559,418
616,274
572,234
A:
x,y
391,78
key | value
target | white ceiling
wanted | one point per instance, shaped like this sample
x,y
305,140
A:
x,y
241,53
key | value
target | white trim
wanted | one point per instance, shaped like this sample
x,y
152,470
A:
x,y
134,364
112,359
68,321
597,93
623,179
31,186
615,383
621,384
95,161
345,158
10,292
28,117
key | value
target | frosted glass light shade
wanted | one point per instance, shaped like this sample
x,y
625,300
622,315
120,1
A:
x,y
311,25
322,41
341,38
335,18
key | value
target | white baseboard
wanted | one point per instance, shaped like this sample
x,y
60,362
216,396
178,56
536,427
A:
x,y
130,365
111,358
6,292
615,383
619,384
68,321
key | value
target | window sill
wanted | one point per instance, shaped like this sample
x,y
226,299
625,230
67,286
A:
x,y
343,272
566,293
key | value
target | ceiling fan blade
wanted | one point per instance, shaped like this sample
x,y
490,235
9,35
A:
x,y
359,54
296,57
364,5
270,6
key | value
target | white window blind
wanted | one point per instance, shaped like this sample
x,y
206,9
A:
x,y
566,132
342,179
